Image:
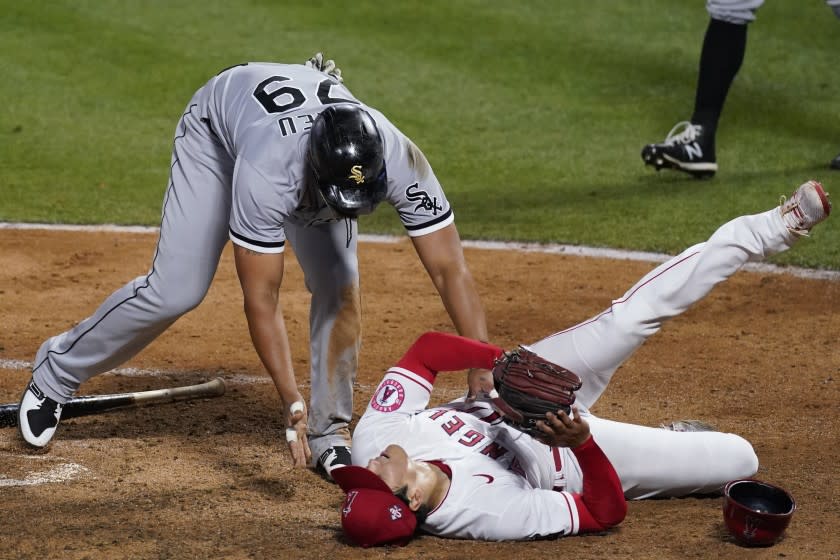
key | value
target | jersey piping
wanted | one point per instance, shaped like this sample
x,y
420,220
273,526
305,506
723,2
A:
x,y
418,230
258,246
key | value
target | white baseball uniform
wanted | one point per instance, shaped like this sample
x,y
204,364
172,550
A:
x,y
506,485
238,172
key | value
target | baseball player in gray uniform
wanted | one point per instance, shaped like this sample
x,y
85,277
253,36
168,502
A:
x,y
264,154
690,145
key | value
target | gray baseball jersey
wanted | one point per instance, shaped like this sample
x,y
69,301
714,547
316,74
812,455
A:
x,y
262,114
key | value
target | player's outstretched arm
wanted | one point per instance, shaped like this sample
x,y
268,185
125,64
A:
x,y
260,276
433,352
443,257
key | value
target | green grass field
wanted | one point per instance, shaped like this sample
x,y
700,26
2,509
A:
x,y
532,113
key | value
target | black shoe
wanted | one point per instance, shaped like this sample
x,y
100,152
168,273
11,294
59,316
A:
x,y
38,416
835,163
333,458
684,149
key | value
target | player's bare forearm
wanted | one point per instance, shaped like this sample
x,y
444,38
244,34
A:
x,y
459,297
271,341
260,276
443,258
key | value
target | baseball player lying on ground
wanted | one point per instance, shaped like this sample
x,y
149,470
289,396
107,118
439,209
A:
x,y
464,470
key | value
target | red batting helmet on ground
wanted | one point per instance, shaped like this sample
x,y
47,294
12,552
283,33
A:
x,y
756,513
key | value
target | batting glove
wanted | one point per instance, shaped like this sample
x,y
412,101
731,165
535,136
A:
x,y
328,67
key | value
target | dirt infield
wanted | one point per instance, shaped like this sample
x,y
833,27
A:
x,y
211,479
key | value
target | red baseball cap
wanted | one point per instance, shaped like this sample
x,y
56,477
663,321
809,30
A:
x,y
371,514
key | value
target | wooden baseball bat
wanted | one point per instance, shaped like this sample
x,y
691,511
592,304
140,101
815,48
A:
x,y
94,404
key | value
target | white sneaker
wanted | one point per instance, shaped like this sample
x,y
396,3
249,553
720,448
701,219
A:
x,y
806,207
38,416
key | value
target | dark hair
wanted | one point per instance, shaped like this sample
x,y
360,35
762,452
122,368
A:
x,y
422,512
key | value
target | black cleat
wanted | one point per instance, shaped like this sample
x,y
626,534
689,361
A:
x,y
835,163
333,458
684,149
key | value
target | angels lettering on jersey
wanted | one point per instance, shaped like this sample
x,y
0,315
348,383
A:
x,y
474,426
453,421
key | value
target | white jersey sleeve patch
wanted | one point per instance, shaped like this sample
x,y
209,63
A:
x,y
401,391
390,413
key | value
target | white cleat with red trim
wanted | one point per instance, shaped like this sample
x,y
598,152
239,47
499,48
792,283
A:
x,y
806,207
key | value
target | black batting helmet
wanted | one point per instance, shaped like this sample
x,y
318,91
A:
x,y
347,158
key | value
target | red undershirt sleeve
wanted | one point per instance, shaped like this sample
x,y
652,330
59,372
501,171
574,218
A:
x,y
601,505
433,352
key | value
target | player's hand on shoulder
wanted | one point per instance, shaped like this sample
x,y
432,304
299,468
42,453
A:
x,y
563,430
327,67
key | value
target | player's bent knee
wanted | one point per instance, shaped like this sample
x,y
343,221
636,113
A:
x,y
175,303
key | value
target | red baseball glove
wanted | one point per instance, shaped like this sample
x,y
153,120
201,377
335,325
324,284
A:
x,y
528,386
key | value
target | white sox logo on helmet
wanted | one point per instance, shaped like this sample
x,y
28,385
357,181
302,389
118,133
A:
x,y
389,396
356,174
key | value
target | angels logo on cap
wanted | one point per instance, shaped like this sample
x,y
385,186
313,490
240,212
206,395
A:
x,y
371,514
348,502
